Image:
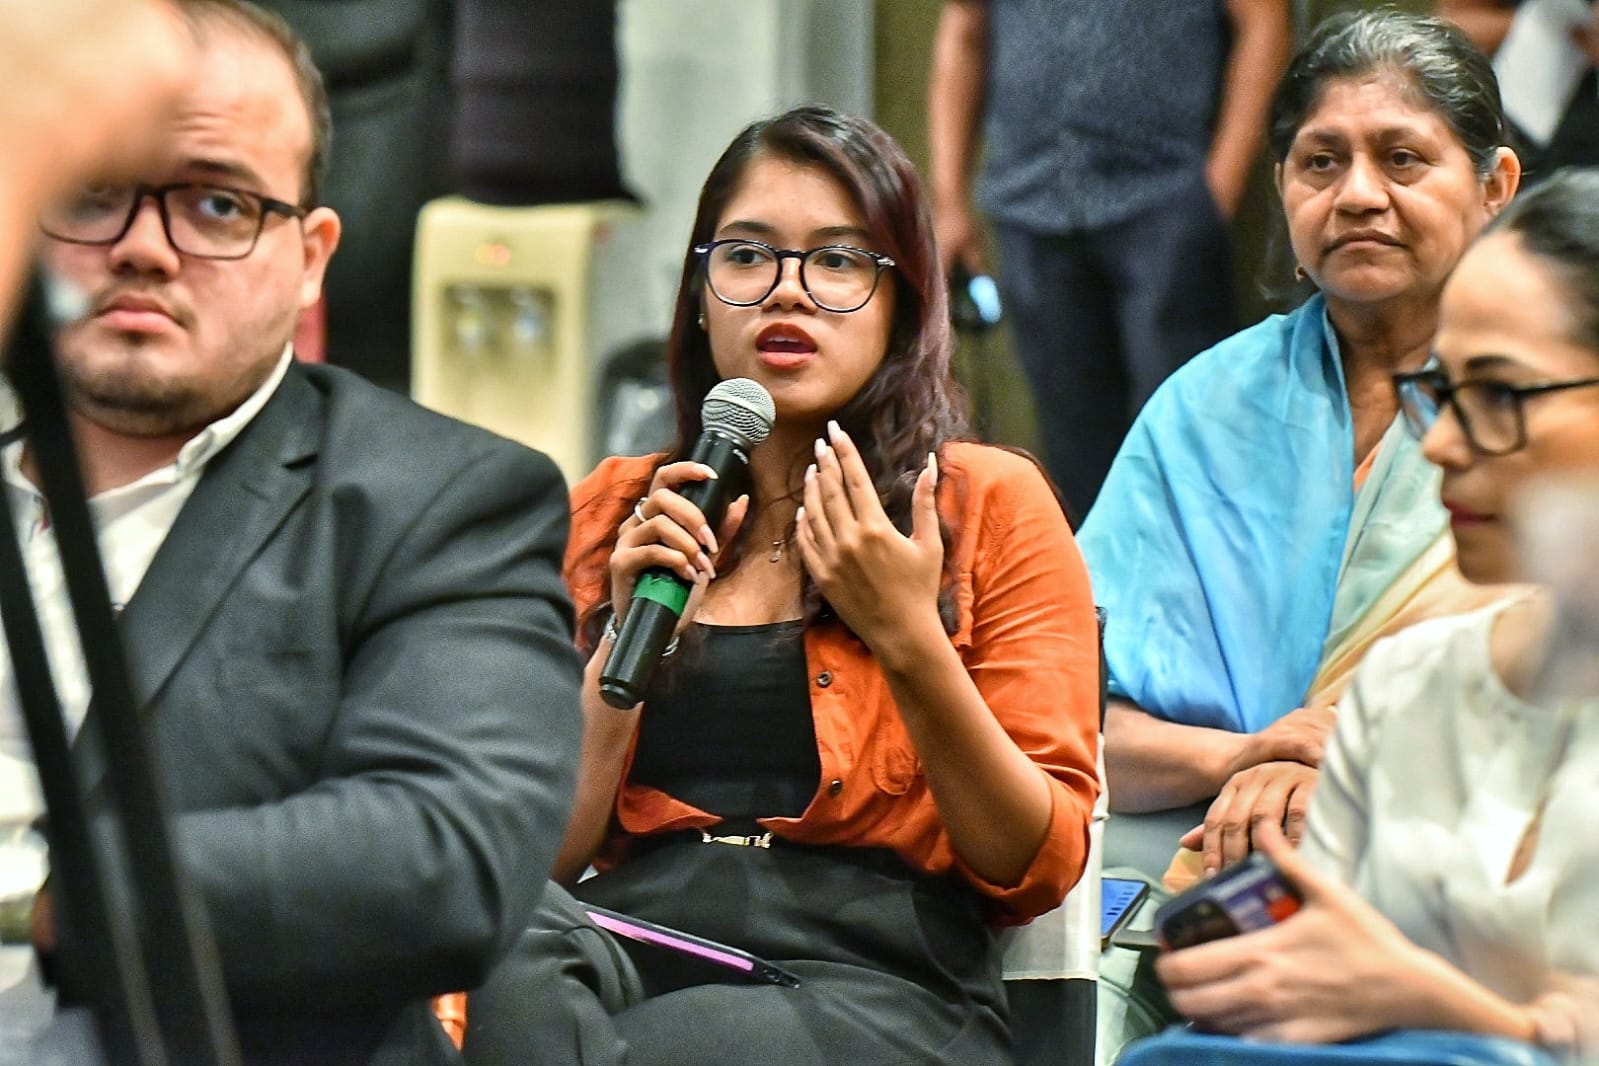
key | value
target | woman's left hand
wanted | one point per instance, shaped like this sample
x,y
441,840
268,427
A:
x,y
876,578
1335,970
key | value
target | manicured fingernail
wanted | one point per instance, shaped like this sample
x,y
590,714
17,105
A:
x,y
810,472
708,471
705,564
833,430
1210,871
708,539
799,517
820,446
932,464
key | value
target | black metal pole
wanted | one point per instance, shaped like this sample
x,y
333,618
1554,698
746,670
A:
x,y
173,948
113,977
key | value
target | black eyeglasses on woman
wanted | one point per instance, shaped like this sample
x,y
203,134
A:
x,y
837,277
1491,413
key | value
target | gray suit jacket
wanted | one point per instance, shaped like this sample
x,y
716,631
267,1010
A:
x,y
354,656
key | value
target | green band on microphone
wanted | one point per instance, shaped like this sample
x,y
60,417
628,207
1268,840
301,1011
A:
x,y
673,595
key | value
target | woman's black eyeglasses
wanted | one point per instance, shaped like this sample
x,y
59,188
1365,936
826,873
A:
x,y
1491,413
836,277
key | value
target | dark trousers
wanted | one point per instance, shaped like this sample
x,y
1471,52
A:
x,y
1101,318
893,969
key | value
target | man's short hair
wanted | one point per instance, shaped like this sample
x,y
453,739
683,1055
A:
x,y
269,28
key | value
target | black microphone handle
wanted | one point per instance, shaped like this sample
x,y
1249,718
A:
x,y
660,595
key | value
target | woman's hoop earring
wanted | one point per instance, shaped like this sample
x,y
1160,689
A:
x,y
702,321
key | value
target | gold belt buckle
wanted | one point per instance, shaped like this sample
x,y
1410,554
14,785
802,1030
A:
x,y
762,840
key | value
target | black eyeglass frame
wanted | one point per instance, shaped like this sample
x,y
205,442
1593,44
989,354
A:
x,y
1438,381
881,261
141,192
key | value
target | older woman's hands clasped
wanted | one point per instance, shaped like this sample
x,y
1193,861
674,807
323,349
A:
x,y
1270,780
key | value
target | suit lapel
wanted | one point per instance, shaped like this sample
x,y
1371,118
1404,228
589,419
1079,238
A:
x,y
244,495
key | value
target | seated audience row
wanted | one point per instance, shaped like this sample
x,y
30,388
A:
x,y
873,739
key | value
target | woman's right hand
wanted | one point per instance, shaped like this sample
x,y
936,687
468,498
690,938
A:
x,y
666,531
1335,970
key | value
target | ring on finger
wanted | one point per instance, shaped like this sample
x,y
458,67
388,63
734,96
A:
x,y
638,510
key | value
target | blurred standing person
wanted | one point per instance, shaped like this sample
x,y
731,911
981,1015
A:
x,y
1119,136
1546,53
521,94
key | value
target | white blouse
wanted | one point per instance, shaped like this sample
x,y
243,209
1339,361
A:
x,y
1434,773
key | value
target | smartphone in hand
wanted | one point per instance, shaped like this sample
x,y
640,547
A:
x,y
1248,895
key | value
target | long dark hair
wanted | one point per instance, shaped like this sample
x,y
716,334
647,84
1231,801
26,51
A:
x,y
910,406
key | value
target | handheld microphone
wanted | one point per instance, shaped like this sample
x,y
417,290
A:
x,y
737,415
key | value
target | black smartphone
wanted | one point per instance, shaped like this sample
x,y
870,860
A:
x,y
1250,894
1119,898
723,958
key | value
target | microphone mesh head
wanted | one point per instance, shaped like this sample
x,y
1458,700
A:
x,y
739,408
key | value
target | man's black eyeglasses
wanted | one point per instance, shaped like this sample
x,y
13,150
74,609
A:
x,y
1491,413
836,277
204,221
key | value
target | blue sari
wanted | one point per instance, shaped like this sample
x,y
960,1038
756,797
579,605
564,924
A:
x,y
1229,546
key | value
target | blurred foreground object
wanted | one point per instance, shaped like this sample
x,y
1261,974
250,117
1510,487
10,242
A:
x,y
100,76
1558,549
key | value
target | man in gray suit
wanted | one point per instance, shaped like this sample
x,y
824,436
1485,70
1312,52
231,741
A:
x,y
344,615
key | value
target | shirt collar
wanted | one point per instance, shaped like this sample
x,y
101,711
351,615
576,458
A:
x,y
204,445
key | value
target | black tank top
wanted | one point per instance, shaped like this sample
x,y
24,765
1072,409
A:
x,y
728,729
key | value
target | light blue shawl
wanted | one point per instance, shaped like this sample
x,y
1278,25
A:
x,y
1228,546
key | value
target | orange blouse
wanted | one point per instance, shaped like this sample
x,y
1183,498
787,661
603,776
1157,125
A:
x,y
1027,635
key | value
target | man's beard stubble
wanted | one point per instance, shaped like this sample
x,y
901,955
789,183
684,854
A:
x,y
125,397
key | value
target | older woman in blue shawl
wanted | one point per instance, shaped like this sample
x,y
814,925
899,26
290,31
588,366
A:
x,y
1268,517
